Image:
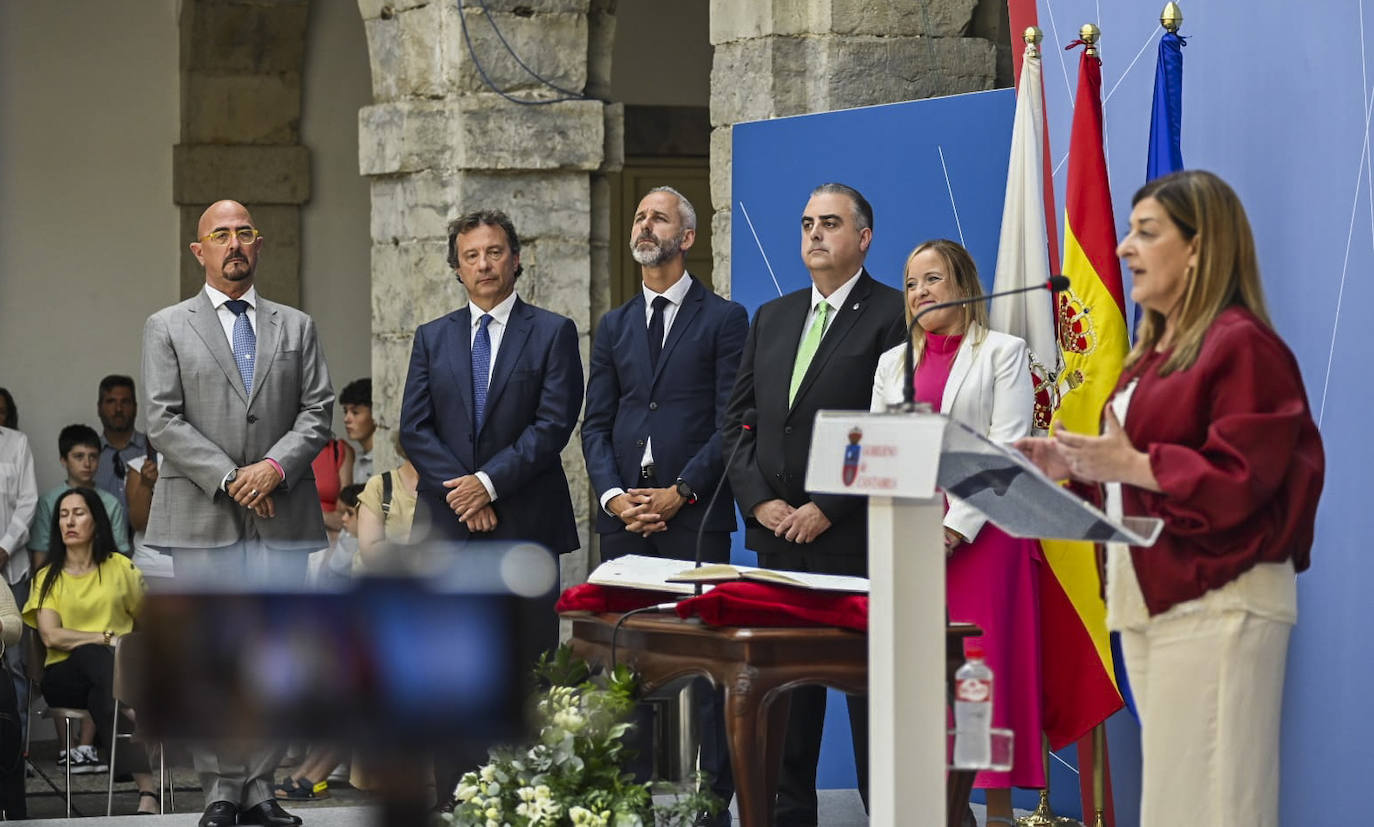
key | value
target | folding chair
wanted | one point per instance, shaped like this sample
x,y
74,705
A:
x,y
129,658
35,654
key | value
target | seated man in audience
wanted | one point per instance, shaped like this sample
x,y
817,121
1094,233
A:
x,y
356,400
79,451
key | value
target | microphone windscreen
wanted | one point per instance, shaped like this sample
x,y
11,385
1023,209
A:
x,y
1058,284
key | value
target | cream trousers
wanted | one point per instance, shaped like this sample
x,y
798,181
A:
x,y
1209,688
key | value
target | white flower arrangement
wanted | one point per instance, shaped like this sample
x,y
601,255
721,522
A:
x,y
573,776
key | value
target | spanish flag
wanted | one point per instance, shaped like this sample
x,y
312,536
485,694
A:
x,y
1080,690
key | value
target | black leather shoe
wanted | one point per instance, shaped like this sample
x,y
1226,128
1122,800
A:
x,y
270,813
220,814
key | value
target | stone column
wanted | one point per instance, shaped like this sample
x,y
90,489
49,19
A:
x,y
439,141
792,57
240,129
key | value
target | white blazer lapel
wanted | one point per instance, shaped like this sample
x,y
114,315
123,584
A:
x,y
958,372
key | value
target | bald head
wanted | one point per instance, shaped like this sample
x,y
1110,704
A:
x,y
219,211
227,245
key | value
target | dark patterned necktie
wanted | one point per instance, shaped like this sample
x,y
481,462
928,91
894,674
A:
x,y
481,369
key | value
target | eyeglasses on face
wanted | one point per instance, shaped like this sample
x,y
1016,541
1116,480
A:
x,y
220,238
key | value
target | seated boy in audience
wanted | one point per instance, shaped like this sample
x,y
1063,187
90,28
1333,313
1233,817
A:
x,y
78,449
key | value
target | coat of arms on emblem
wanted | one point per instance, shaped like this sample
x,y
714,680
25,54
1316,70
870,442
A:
x,y
852,451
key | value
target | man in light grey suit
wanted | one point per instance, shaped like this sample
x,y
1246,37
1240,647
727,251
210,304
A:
x,y
239,403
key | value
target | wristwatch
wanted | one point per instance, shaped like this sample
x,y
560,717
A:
x,y
685,491
230,477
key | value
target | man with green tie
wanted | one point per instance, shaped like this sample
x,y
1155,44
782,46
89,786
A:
x,y
813,349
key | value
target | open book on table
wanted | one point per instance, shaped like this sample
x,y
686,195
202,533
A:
x,y
634,571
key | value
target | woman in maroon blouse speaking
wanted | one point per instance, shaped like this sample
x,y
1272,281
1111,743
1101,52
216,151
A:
x,y
1210,431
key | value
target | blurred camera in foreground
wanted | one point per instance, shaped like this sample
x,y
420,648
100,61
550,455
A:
x,y
437,651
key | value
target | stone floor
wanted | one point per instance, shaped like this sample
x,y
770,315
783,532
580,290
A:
x,y
345,807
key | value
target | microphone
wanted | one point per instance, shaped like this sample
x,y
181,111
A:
x,y
747,423
1054,284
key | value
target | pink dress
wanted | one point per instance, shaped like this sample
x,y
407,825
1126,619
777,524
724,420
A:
x,y
993,581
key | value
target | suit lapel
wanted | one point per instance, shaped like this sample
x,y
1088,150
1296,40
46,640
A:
x,y
205,322
691,305
845,318
268,336
460,355
518,326
958,372
782,348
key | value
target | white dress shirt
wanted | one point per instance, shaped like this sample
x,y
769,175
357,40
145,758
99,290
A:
x,y
496,330
226,316
18,500
675,296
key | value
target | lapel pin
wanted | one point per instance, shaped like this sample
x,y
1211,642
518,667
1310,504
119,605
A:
x,y
854,306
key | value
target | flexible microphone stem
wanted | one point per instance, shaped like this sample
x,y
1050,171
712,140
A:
x,y
746,424
1054,284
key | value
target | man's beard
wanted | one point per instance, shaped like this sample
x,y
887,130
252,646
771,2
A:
x,y
659,253
239,275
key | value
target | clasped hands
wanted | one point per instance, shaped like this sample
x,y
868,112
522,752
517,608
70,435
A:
x,y
796,525
253,485
646,511
1110,457
468,498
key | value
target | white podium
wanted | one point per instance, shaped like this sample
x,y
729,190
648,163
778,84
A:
x,y
904,463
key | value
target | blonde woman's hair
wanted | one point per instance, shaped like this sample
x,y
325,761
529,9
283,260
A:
x,y
964,274
1202,207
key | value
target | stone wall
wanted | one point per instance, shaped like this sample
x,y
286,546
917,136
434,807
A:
x,y
439,140
241,65
790,57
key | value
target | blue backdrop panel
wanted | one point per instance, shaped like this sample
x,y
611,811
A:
x,y
1274,103
893,155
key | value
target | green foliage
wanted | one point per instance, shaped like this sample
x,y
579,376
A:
x,y
573,775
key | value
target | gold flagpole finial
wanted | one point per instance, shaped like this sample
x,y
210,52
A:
x,y
1090,34
1171,18
1032,36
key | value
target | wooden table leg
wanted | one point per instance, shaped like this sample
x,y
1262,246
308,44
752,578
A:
x,y
747,728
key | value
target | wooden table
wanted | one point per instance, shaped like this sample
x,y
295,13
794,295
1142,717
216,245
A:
x,y
756,666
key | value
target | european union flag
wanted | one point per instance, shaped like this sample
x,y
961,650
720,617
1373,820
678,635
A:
x,y
1166,117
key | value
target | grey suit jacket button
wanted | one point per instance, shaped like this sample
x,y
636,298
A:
x,y
252,418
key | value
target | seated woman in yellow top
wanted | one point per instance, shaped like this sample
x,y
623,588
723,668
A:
x,y
80,603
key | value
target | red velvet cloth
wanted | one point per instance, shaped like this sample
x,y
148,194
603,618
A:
x,y
747,603
589,597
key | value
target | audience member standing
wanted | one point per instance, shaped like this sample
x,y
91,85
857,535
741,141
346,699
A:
x,y
117,407
239,403
662,368
812,349
18,502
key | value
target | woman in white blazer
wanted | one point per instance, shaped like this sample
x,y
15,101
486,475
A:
x,y
981,378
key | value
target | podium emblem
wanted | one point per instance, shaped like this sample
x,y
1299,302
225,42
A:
x,y
852,452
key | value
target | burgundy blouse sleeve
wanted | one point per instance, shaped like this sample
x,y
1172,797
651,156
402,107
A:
x,y
1258,410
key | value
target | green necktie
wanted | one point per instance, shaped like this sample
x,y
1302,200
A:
x,y
808,348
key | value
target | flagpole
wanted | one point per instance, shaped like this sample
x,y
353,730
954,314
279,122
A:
x,y
1043,815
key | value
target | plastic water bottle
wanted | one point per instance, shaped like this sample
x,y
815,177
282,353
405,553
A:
x,y
973,711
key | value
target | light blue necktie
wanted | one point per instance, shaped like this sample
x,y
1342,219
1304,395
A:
x,y
481,369
245,342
